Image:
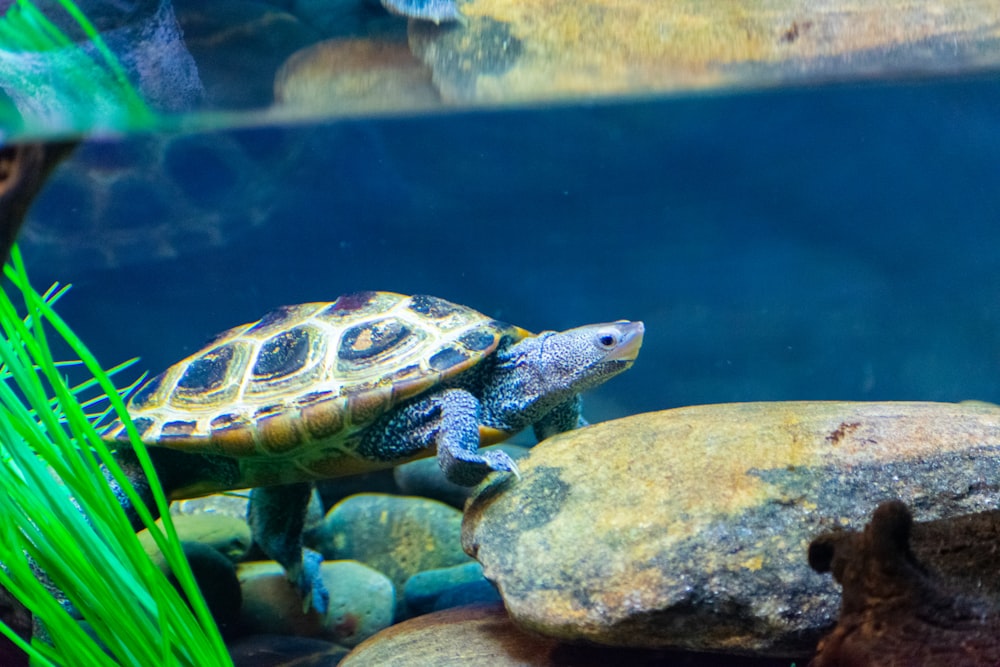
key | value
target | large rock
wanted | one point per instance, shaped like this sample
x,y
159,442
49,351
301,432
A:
x,y
521,50
689,527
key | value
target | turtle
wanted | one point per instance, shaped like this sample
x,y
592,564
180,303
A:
x,y
368,381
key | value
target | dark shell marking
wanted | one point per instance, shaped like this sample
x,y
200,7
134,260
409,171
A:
x,y
301,383
283,354
208,372
367,342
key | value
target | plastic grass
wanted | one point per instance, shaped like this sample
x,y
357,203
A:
x,y
38,61
50,458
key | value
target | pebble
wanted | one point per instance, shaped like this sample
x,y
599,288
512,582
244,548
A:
x,y
459,585
362,602
215,575
396,535
353,76
228,535
475,635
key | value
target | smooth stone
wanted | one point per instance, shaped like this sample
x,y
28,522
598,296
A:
x,y
215,575
355,76
689,527
424,477
231,504
520,51
434,590
473,592
396,535
282,651
483,634
332,491
475,635
228,535
362,602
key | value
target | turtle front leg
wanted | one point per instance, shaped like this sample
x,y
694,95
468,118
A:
x,y
446,419
277,516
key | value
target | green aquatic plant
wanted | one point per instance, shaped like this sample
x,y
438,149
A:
x,y
57,509
54,80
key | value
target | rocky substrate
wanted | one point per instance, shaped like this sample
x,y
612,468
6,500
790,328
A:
x,y
664,538
676,535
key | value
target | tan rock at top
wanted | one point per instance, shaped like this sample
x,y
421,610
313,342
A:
x,y
519,50
690,527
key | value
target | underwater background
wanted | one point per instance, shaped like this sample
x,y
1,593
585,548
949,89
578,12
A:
x,y
799,201
828,242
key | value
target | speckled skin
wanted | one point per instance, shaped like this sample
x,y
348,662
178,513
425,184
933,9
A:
x,y
369,381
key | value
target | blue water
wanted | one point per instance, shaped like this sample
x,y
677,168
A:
x,y
835,242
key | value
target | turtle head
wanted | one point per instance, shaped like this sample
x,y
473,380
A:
x,y
576,360
536,374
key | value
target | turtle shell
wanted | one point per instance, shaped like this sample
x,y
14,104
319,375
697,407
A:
x,y
303,380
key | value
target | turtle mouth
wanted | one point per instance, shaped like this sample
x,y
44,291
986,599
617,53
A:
x,y
629,342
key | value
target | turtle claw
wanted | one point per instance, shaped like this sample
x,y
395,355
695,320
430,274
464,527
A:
x,y
310,583
470,468
500,461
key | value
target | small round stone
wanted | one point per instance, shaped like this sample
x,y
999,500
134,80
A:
x,y
363,75
397,535
477,634
362,602
434,590
216,577
228,535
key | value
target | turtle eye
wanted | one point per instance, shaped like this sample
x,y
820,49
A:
x,y
607,340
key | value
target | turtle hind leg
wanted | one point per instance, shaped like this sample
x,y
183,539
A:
x,y
447,419
277,516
